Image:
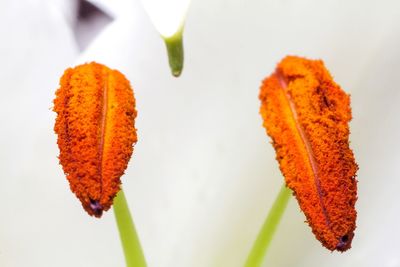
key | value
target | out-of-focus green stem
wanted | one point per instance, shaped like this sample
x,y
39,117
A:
x,y
174,45
130,241
260,247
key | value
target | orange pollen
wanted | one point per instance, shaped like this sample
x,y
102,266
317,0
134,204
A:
x,y
95,110
307,114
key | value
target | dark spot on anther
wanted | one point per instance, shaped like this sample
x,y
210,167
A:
x,y
326,101
96,208
344,242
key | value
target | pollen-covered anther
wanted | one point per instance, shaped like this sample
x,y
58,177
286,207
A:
x,y
307,115
95,110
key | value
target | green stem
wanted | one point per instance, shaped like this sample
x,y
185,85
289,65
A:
x,y
260,247
130,241
174,45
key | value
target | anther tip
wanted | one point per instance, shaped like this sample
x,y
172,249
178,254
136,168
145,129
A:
x,y
344,242
96,208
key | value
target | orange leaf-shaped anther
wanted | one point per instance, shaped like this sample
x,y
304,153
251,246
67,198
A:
x,y
307,115
95,125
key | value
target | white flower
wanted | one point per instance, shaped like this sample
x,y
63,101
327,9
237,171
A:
x,y
168,16
203,174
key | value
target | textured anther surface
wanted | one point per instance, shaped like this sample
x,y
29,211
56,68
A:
x,y
95,110
307,115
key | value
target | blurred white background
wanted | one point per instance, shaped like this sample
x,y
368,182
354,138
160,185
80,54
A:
x,y
203,175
